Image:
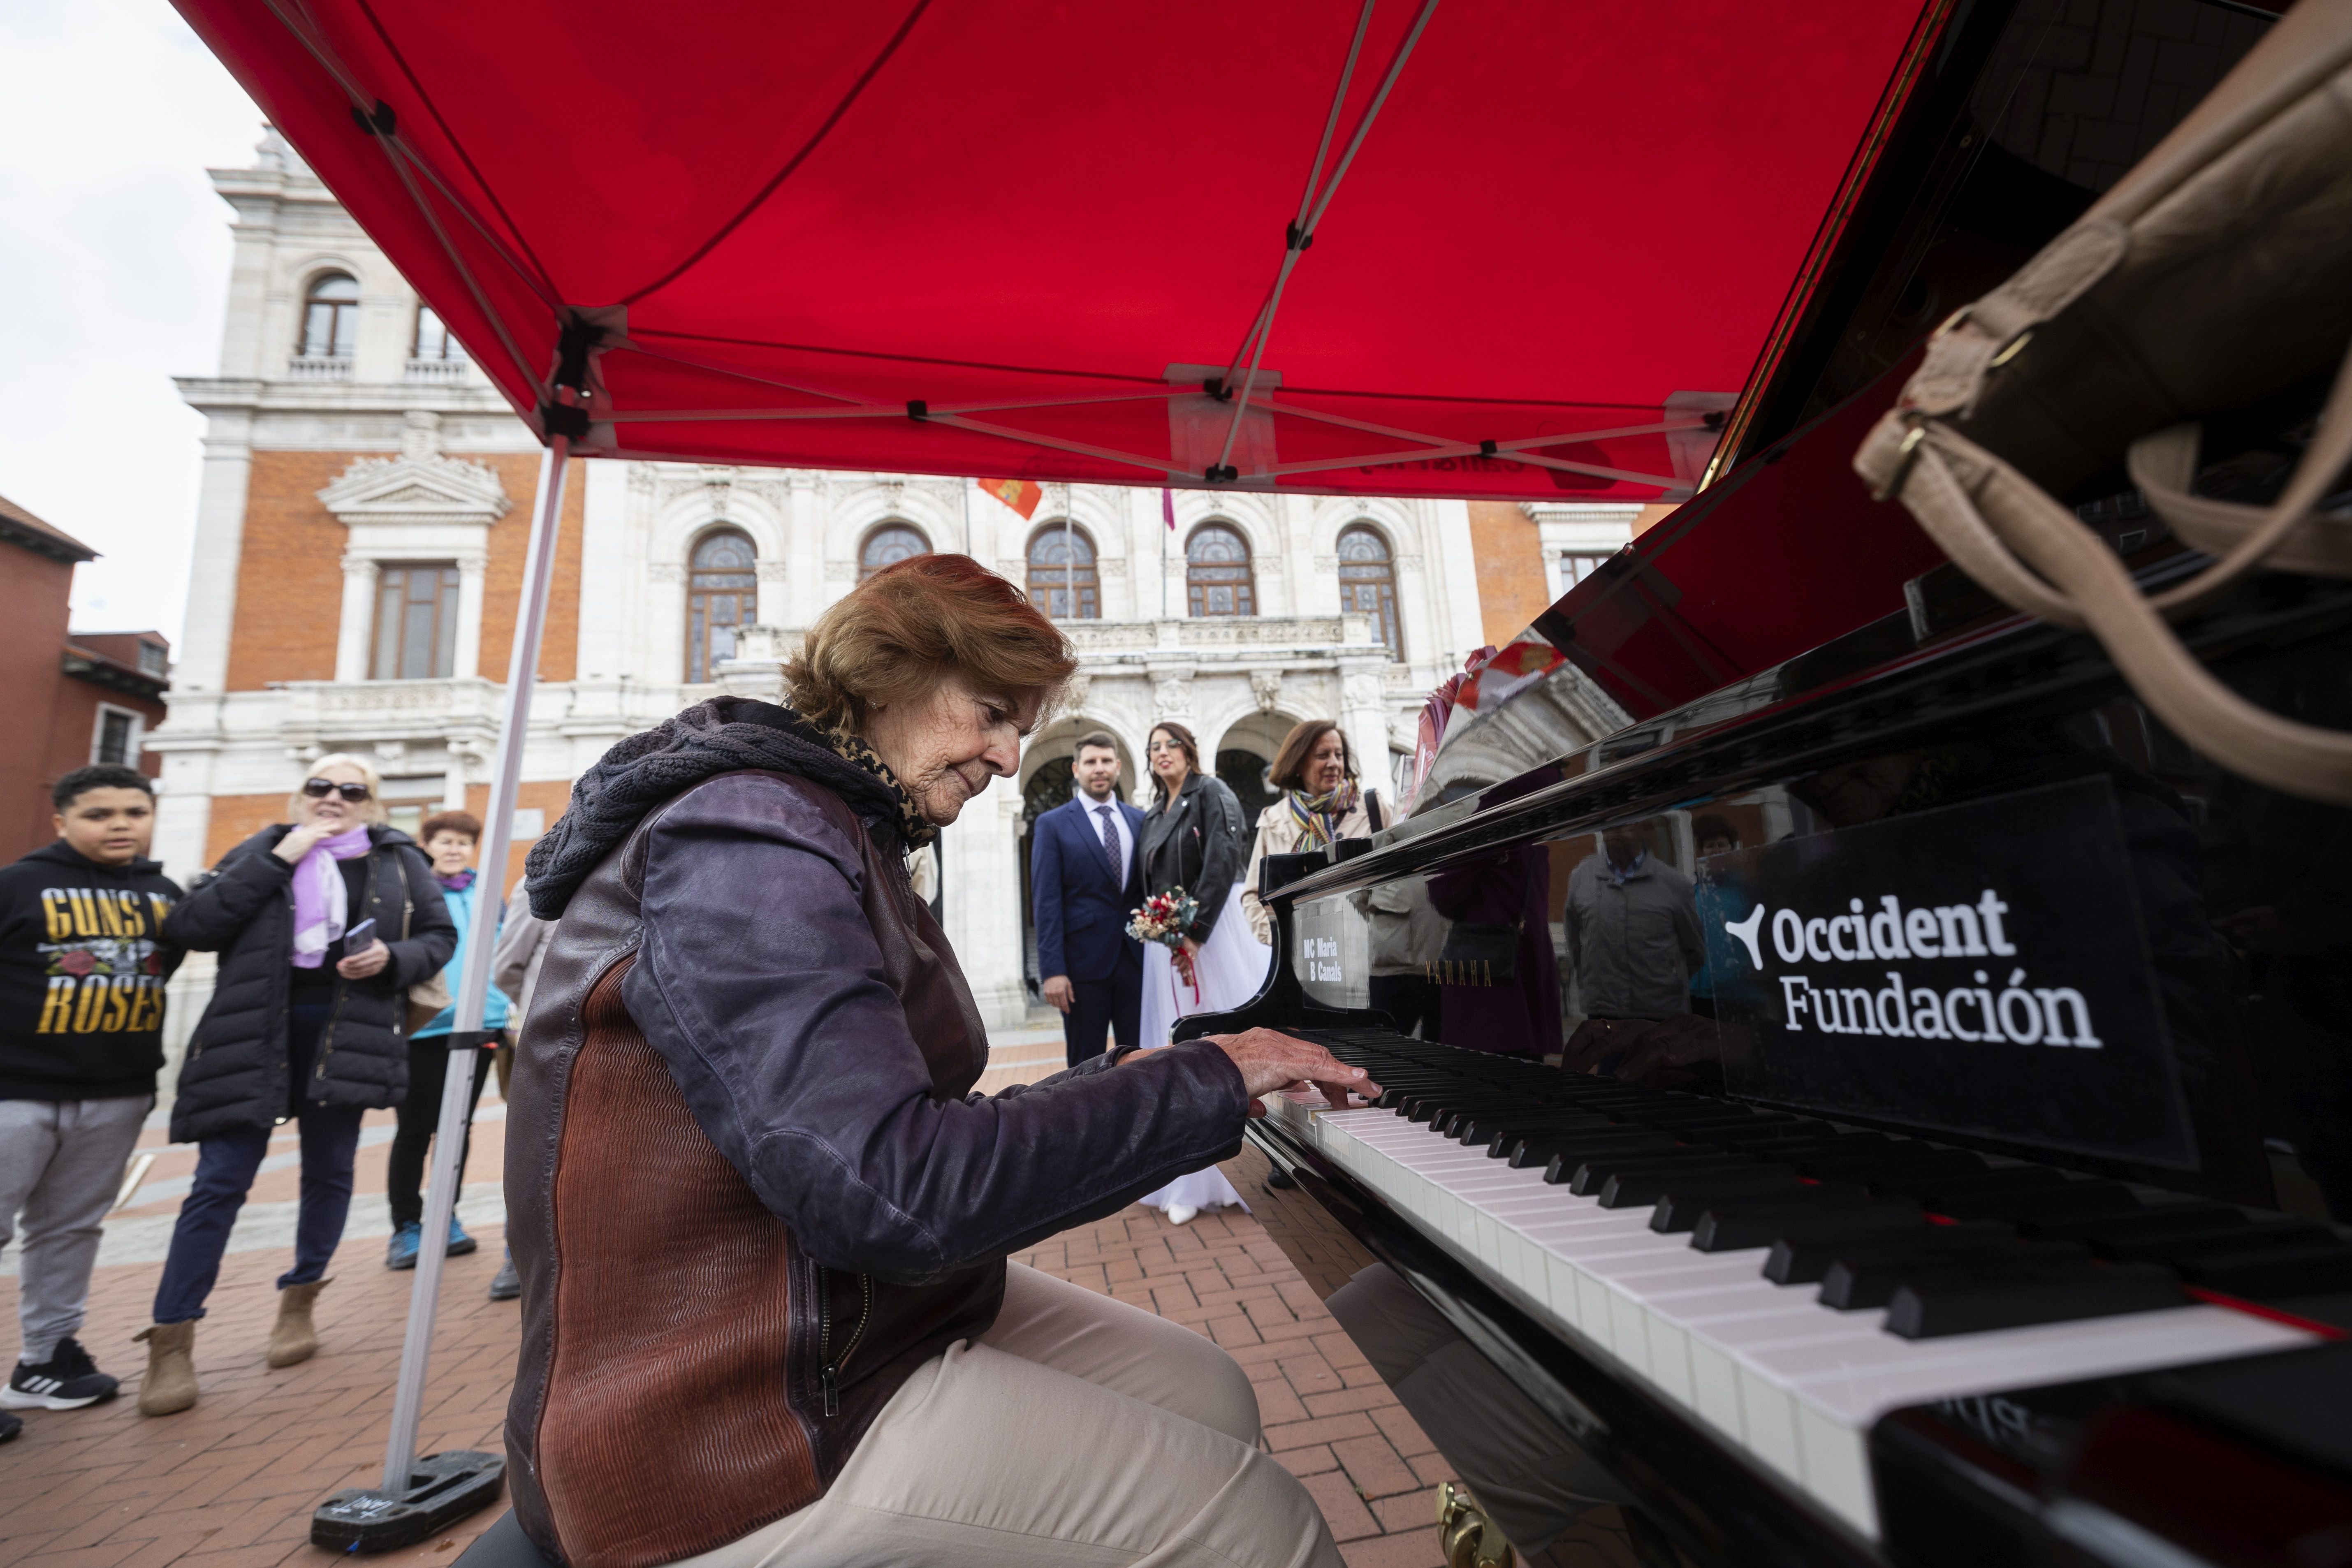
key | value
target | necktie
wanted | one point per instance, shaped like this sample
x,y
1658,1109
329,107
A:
x,y
1110,841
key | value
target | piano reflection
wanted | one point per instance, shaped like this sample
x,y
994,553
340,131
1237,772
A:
x,y
1991,1216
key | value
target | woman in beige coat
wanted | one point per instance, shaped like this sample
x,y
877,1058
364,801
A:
x,y
1316,771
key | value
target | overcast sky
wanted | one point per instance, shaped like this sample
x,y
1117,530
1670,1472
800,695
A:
x,y
114,260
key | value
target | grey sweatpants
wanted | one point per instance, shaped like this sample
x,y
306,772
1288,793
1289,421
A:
x,y
61,1163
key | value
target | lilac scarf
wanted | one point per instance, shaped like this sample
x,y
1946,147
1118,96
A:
x,y
321,902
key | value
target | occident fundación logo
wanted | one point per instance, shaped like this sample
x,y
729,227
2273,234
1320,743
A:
x,y
2017,1013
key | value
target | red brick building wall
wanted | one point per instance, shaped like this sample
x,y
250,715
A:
x,y
32,634
289,581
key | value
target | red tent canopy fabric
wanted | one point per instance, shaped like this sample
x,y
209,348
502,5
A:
x,y
962,237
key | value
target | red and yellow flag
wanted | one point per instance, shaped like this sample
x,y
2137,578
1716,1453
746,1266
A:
x,y
1021,495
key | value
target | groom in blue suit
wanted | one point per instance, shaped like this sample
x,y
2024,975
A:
x,y
1087,878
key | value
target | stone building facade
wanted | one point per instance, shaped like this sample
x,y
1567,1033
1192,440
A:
x,y
360,545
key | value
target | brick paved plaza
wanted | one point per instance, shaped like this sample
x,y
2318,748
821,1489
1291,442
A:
x,y
231,1483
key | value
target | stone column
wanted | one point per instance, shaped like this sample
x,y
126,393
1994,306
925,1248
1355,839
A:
x,y
203,654
355,638
473,566
1363,710
981,875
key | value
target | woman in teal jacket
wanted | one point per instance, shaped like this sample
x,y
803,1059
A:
x,y
449,839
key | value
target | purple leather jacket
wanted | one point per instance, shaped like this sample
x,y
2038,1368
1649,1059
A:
x,y
749,1188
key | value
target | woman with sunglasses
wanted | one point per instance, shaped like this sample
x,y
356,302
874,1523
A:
x,y
322,923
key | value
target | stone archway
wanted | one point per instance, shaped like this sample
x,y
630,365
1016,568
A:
x,y
1245,752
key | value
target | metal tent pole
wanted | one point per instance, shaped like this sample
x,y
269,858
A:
x,y
474,984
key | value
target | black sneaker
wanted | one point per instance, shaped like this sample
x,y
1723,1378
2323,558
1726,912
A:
x,y
10,1425
66,1381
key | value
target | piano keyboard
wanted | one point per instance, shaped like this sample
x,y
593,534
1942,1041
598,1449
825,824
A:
x,y
1792,1384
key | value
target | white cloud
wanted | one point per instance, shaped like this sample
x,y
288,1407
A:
x,y
114,258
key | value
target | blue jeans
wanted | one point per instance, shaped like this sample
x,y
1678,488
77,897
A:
x,y
225,1166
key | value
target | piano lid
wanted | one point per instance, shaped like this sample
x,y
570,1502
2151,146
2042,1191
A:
x,y
2022,115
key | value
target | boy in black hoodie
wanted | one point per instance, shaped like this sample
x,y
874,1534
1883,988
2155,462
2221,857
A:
x,y
81,1038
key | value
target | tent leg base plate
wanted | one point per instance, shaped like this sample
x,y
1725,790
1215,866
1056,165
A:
x,y
442,1489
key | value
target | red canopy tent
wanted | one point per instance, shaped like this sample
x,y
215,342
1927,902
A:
x,y
1501,249
1532,224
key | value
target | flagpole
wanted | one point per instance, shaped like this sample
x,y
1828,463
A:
x,y
1069,555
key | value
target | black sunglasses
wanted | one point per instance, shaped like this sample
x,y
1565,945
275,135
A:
x,y
319,789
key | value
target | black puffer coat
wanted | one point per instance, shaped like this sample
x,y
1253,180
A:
x,y
243,909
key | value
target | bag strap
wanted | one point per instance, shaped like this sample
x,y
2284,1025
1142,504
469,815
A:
x,y
2033,553
407,903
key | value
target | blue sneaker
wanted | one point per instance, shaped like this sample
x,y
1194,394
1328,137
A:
x,y
402,1252
460,1243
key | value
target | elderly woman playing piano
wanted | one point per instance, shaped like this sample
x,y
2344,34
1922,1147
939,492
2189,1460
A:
x,y
761,1219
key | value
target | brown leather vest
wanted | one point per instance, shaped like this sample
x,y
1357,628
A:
x,y
687,1372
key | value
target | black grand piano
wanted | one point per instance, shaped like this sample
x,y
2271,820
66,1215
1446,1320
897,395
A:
x,y
1988,1220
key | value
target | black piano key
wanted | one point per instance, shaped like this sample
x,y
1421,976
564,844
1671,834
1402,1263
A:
x,y
2261,1270
1812,1261
1801,1254
1642,1189
1955,1301
1544,1149
1929,1188
1854,1282
1590,1179
2056,1200
1481,1128
1831,1210
1686,1198
2150,1225
1895,1160
1863,1273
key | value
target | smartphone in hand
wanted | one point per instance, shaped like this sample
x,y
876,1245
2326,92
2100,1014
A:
x,y
356,940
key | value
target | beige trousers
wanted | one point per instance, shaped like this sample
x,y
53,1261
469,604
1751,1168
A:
x,y
1079,1430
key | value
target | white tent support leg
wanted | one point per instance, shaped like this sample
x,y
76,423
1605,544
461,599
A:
x,y
474,984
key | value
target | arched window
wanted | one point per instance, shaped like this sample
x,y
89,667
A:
x,y
1217,579
722,595
887,546
432,338
330,317
1367,582
1059,564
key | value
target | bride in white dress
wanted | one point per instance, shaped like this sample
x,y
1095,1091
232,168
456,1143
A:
x,y
1193,839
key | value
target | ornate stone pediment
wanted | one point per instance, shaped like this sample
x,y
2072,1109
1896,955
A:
x,y
419,486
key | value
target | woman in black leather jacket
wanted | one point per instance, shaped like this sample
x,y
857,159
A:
x,y
1193,839
1192,834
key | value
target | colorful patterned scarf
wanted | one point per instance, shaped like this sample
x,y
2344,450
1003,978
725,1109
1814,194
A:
x,y
1317,817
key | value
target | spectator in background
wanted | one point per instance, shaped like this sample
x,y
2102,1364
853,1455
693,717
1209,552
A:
x,y
304,1025
81,1038
1715,836
1321,802
1509,896
450,837
1084,878
1633,930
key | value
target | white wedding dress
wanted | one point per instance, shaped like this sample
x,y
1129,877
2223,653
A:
x,y
1231,967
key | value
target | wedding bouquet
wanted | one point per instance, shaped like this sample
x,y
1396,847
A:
x,y
1164,919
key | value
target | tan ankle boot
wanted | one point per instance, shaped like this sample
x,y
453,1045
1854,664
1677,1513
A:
x,y
171,1380
294,1339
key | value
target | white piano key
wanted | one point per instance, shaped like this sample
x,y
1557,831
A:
x,y
1793,1385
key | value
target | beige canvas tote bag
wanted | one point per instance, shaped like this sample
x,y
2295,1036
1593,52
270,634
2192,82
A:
x,y
2217,273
